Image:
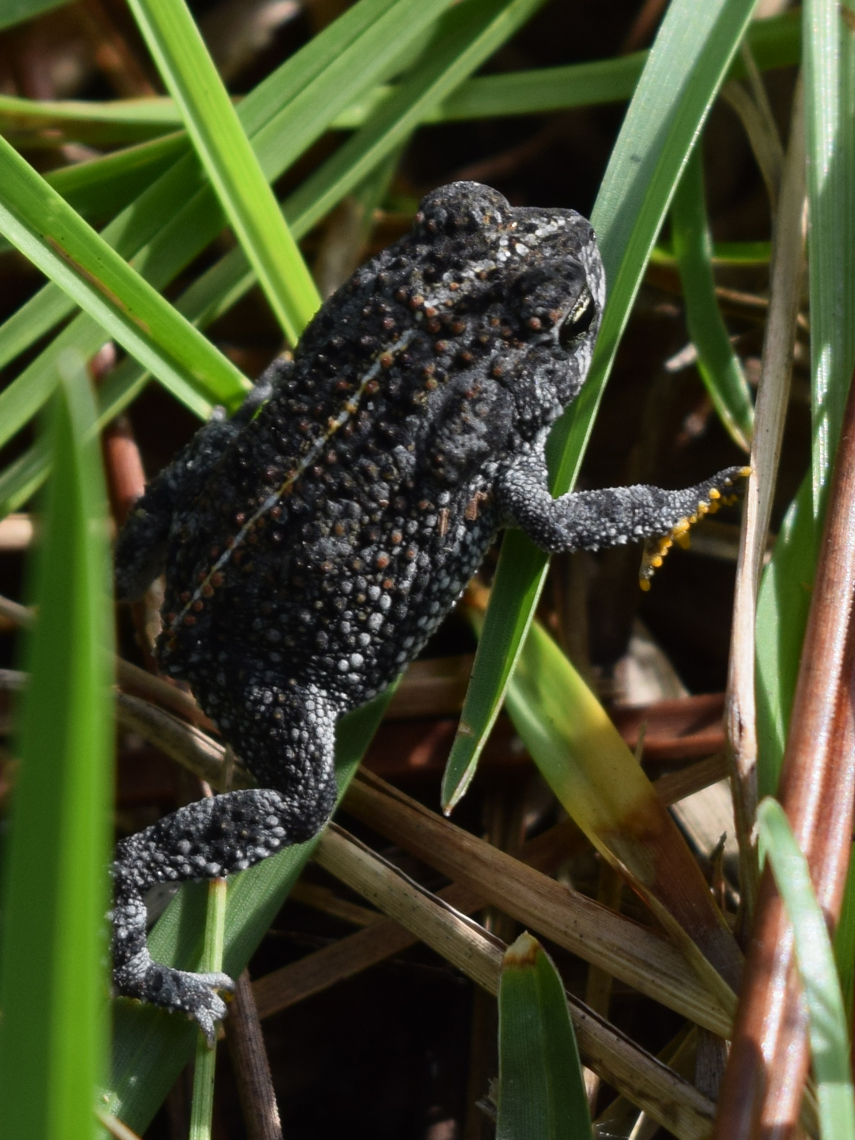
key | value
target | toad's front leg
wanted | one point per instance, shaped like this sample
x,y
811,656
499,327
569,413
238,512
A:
x,y
591,520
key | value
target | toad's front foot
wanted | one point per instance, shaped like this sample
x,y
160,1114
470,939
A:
x,y
193,994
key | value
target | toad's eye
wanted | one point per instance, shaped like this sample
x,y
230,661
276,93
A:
x,y
578,321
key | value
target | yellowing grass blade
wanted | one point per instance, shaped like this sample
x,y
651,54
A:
x,y
590,769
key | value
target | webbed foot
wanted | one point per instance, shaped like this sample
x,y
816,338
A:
x,y
176,990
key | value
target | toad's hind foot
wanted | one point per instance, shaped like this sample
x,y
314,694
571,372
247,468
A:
x,y
176,990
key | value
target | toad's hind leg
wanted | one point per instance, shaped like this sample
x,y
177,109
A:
x,y
286,738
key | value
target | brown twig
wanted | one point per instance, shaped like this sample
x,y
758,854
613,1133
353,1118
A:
x,y
764,1083
251,1066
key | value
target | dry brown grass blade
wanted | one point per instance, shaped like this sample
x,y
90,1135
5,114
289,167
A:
x,y
772,398
193,748
131,677
614,943
116,1127
765,1077
385,938
343,959
639,1076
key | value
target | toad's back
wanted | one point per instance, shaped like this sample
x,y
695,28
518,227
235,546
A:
x,y
340,524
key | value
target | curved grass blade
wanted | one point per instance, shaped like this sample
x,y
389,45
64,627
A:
x,y
53,1029
600,784
29,123
775,42
828,1023
227,155
691,56
717,362
541,1089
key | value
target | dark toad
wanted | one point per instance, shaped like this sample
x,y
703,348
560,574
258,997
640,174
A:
x,y
315,541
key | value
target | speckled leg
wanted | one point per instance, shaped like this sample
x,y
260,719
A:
x,y
589,520
290,741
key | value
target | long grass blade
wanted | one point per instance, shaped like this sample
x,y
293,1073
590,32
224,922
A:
x,y
685,68
785,592
202,1107
212,122
53,990
718,364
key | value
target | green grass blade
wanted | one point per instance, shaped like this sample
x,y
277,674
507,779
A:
x,y
465,38
687,63
785,590
828,1023
723,253
202,1106
474,36
775,42
171,222
23,477
31,123
782,611
103,186
541,1088
53,989
227,155
718,364
151,1046
39,223
829,120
